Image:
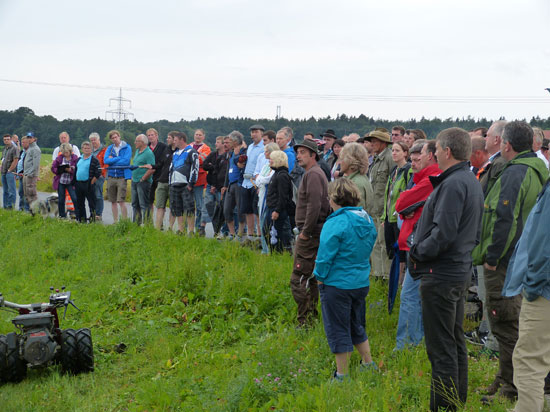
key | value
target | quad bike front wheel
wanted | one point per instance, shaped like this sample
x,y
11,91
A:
x,y
69,352
12,367
85,350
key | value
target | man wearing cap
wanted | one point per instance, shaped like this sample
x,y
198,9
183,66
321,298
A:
x,y
328,155
31,168
10,157
249,196
378,174
312,209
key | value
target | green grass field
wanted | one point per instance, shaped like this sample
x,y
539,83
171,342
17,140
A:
x,y
208,325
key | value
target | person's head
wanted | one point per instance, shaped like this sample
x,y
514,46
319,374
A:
x,y
343,193
15,138
354,158
408,138
66,149
95,140
152,136
114,136
453,146
494,137
397,133
256,132
309,136
277,159
199,136
353,137
64,137
180,140
7,139
86,148
479,131
268,137
227,144
367,143
25,142
538,137
270,148
415,154
219,143
236,139
282,138
479,155
141,142
307,154
289,132
517,137
329,137
337,146
170,138
544,149
378,145
400,152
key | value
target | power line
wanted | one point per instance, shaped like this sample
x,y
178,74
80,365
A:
x,y
306,96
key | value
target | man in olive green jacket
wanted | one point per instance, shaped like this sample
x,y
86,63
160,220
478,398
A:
x,y
510,197
378,175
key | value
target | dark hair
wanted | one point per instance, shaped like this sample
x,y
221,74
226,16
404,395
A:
x,y
270,135
430,147
418,134
483,131
339,142
458,140
179,135
7,135
400,128
519,134
344,192
403,146
309,134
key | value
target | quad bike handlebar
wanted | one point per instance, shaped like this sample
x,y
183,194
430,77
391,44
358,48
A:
x,y
57,300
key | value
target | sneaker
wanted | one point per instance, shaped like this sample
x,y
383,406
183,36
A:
x,y
491,354
368,367
339,378
230,237
476,338
202,231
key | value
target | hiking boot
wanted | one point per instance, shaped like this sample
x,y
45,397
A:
x,y
489,399
476,338
492,389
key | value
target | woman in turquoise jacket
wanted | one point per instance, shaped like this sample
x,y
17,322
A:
x,y
342,270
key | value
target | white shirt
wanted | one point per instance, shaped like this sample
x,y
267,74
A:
x,y
56,152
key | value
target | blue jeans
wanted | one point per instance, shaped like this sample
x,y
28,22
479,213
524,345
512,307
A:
x,y
98,190
23,205
10,192
410,329
61,199
198,194
140,201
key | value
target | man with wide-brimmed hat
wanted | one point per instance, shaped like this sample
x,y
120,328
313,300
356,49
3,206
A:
x,y
312,209
379,171
329,137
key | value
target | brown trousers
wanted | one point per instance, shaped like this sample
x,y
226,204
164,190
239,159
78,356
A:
x,y
302,283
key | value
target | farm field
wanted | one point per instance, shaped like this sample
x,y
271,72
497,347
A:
x,y
187,324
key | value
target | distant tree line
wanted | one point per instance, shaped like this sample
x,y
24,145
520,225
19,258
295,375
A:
x,y
47,128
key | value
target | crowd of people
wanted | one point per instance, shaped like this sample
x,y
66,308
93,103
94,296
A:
x,y
453,210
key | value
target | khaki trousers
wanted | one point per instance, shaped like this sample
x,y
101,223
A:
x,y
379,257
532,354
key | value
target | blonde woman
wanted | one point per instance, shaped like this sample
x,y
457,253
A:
x,y
354,164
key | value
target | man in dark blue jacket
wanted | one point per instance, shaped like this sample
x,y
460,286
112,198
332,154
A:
x,y
440,255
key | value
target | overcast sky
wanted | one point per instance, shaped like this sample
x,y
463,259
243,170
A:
x,y
245,58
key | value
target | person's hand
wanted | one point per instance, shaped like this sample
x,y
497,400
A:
x,y
190,188
93,180
319,282
146,166
223,190
409,216
302,236
240,165
489,267
274,215
213,190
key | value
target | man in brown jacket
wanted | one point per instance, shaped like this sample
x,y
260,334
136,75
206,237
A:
x,y
378,174
312,209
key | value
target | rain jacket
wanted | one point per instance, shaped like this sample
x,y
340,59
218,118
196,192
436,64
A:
x,y
509,200
394,189
123,159
345,246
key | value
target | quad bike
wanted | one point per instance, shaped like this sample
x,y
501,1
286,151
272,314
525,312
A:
x,y
39,340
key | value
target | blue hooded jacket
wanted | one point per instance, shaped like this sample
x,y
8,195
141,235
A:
x,y
123,159
345,246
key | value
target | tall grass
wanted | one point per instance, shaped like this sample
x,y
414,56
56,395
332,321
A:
x,y
207,325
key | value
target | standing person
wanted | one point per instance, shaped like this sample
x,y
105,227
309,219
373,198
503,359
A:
x,y
87,172
198,191
98,151
10,157
63,168
441,255
163,190
23,205
216,166
248,191
262,181
342,270
158,148
142,179
279,199
409,205
509,200
379,173
527,275
184,171
64,138
118,155
283,139
336,149
312,209
31,168
329,137
233,179
354,165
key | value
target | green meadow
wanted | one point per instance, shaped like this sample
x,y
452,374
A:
x,y
192,324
